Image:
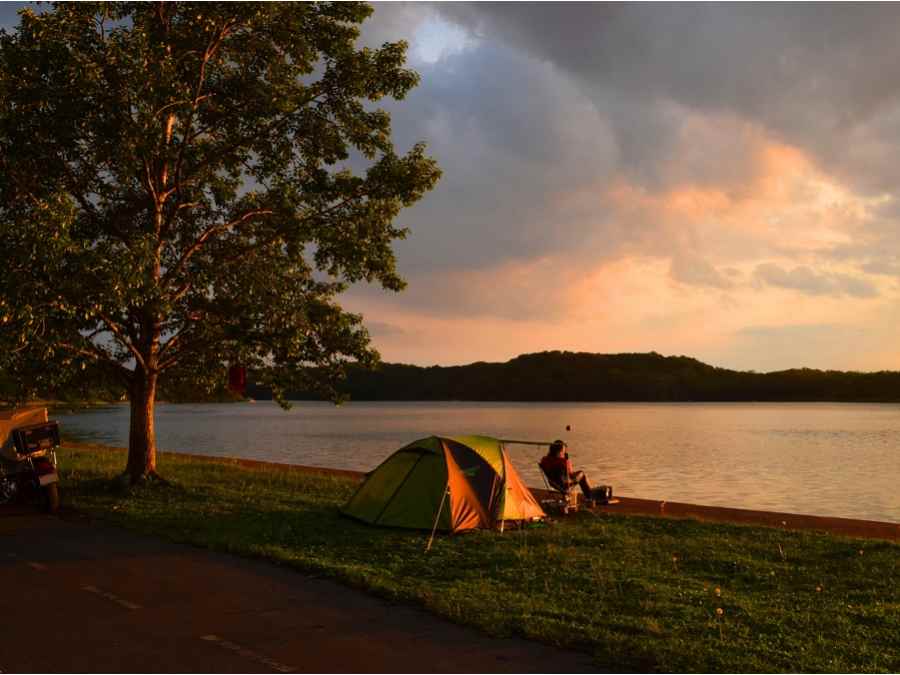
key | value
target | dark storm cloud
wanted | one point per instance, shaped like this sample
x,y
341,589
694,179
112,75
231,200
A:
x,y
822,78
506,130
820,75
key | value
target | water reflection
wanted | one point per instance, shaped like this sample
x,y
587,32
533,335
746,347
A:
x,y
826,459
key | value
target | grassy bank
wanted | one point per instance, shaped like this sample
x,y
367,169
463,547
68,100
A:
x,y
638,593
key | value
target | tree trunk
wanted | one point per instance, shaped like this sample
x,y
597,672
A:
x,y
142,434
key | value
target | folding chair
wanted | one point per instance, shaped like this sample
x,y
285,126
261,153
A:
x,y
563,498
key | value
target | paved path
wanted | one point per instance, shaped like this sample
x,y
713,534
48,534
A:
x,y
80,596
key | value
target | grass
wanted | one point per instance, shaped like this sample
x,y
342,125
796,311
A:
x,y
638,593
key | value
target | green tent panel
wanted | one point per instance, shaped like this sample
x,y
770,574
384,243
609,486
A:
x,y
415,504
382,484
490,449
452,483
430,444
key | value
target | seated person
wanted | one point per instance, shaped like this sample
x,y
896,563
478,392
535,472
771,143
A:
x,y
558,467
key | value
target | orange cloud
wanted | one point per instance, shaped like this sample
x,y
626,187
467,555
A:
x,y
673,269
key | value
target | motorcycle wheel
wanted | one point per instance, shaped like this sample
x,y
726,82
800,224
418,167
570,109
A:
x,y
51,498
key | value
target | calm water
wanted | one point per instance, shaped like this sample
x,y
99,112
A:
x,y
825,459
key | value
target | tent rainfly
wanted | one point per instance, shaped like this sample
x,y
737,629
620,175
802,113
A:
x,y
445,483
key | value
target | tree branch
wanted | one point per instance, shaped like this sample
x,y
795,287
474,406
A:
x,y
101,357
205,236
187,138
184,349
116,330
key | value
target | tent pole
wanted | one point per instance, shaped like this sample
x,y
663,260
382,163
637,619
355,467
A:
x,y
437,517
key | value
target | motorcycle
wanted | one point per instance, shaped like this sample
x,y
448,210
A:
x,y
28,466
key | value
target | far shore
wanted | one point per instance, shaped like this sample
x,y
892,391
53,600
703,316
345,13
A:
x,y
90,404
77,405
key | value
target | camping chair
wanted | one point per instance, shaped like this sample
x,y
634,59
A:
x,y
563,498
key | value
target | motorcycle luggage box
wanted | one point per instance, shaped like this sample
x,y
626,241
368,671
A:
x,y
11,420
36,437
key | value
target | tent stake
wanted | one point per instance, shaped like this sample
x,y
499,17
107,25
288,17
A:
x,y
437,518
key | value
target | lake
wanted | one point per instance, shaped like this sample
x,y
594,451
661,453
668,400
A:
x,y
839,459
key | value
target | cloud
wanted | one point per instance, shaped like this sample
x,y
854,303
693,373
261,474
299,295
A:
x,y
888,267
806,280
689,92
652,178
810,73
382,329
522,153
537,289
694,270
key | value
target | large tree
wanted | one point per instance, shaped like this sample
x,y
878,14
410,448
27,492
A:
x,y
185,186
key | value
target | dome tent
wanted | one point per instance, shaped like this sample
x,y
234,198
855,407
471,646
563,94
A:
x,y
449,483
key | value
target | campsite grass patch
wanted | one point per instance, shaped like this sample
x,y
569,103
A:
x,y
639,593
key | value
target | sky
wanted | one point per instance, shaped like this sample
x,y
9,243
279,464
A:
x,y
718,181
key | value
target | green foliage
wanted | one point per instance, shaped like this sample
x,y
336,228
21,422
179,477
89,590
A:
x,y
641,594
569,376
177,191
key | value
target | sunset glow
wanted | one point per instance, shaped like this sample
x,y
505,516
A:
x,y
618,204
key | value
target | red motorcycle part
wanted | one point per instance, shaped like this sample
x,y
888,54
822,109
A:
x,y
45,471
43,465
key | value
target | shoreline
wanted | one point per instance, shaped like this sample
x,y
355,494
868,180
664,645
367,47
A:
x,y
77,405
634,506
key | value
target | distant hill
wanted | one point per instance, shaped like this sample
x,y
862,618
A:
x,y
581,376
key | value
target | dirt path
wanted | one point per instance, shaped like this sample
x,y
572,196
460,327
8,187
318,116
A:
x,y
81,596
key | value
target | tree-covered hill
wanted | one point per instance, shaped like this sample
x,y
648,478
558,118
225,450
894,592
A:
x,y
556,376
580,376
